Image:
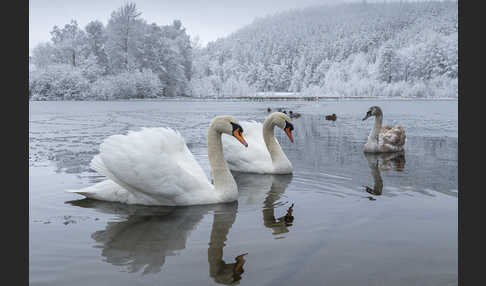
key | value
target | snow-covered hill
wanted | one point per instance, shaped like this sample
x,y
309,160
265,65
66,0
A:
x,y
397,49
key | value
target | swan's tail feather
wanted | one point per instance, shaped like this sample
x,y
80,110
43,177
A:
x,y
106,190
98,165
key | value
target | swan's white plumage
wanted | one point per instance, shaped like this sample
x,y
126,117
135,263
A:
x,y
151,167
110,191
255,157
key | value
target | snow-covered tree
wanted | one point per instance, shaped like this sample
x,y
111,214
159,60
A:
x,y
44,54
127,59
361,48
373,49
96,41
58,82
387,63
124,30
70,42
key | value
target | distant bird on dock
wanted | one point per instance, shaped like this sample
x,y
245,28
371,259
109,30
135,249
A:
x,y
294,114
284,112
332,117
269,109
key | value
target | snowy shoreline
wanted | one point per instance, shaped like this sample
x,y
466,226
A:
x,y
272,98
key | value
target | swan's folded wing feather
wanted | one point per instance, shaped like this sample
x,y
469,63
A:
x,y
255,157
393,136
154,161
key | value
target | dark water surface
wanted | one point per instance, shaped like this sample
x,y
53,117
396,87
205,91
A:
x,y
406,234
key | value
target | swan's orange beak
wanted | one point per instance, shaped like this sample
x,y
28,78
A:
x,y
238,134
289,133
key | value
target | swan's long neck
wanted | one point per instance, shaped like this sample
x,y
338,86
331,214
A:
x,y
222,223
273,147
375,173
373,137
223,180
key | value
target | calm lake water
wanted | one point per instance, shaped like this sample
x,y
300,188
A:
x,y
405,235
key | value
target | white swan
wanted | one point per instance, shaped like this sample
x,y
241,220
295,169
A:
x,y
154,167
383,138
264,154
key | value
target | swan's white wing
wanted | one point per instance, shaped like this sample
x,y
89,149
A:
x,y
155,163
110,191
254,158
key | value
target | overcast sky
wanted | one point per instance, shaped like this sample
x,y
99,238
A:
x,y
209,19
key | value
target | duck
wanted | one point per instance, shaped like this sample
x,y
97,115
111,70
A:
x,y
385,138
332,117
264,154
294,114
154,166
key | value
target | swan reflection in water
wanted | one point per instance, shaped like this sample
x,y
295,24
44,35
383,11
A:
x,y
269,189
143,240
145,236
383,162
219,270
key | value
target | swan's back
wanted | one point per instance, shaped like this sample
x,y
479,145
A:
x,y
154,166
392,138
255,158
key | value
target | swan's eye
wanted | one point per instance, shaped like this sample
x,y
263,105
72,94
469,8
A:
x,y
288,130
237,133
236,126
289,126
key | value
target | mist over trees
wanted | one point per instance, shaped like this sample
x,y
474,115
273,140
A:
x,y
397,49
359,49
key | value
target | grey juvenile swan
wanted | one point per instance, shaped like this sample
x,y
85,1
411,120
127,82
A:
x,y
383,138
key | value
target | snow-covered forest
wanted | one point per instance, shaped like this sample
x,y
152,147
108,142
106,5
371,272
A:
x,y
360,49
127,58
397,49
